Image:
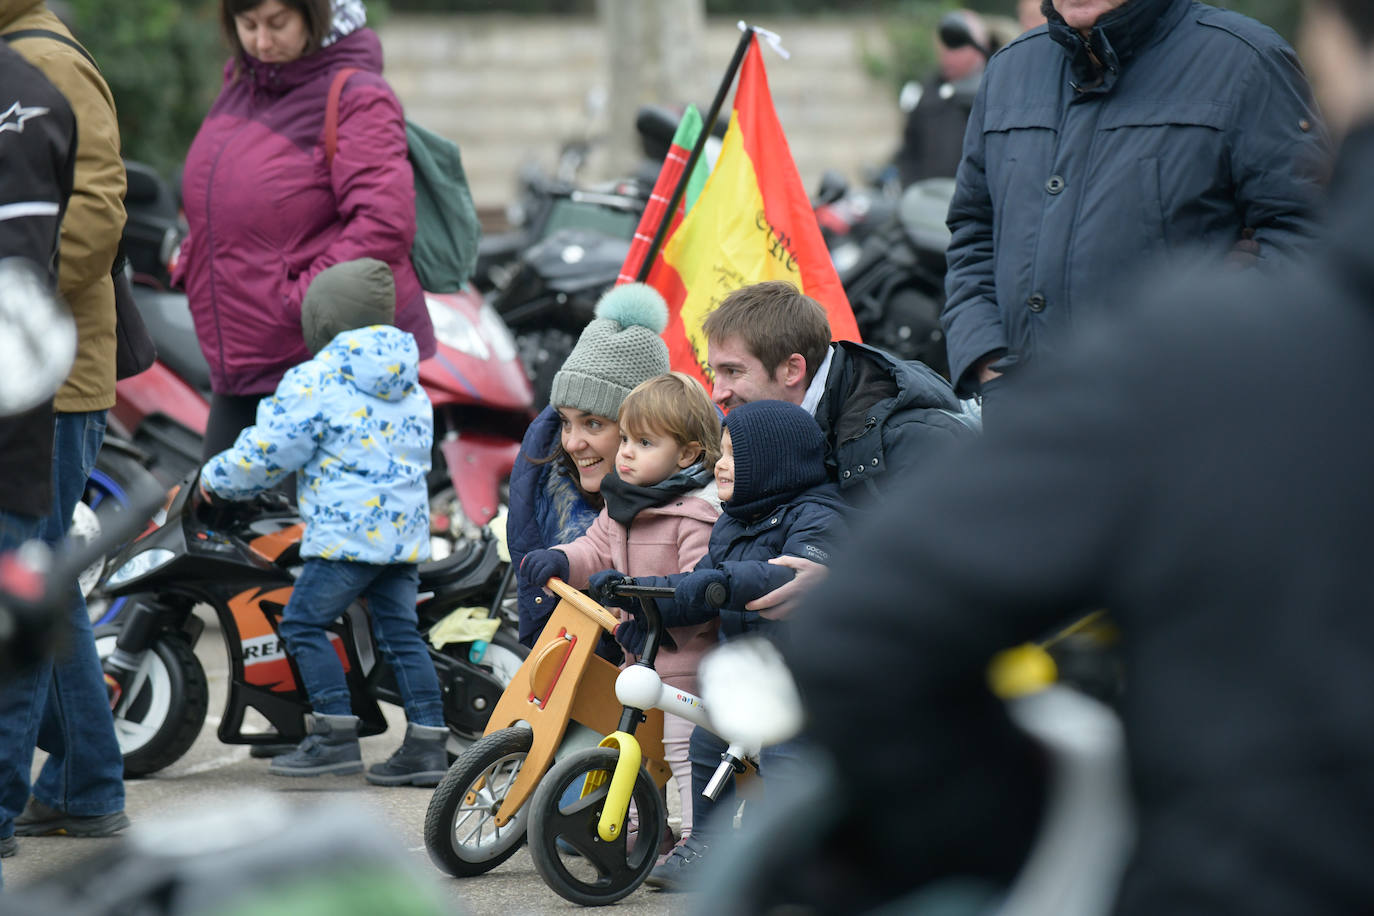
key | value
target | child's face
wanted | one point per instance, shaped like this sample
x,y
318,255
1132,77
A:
x,y
591,441
725,468
647,457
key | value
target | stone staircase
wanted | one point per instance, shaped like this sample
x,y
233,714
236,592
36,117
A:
x,y
511,90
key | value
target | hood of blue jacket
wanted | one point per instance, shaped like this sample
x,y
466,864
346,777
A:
x,y
381,361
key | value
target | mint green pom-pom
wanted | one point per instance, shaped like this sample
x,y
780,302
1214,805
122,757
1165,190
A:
x,y
634,303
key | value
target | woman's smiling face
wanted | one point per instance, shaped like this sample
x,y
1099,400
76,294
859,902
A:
x,y
591,441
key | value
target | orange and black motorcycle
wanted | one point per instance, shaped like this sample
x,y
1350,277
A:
x,y
240,560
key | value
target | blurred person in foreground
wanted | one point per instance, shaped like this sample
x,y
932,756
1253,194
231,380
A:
x,y
64,708
1199,464
1112,143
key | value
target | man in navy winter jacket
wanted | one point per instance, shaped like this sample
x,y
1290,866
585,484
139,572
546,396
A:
x,y
1108,142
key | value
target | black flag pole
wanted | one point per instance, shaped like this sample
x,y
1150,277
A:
x,y
676,199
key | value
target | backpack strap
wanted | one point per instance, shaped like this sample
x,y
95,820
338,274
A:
x,y
52,36
331,113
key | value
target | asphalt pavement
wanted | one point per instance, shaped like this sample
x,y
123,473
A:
x,y
212,775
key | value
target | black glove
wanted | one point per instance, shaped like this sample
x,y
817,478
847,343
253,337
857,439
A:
x,y
602,582
630,634
695,591
210,510
539,566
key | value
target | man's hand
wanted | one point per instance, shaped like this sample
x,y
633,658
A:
x,y
782,600
984,368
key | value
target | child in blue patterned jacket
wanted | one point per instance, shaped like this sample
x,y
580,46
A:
x,y
358,427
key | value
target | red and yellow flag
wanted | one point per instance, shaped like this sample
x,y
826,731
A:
x,y
752,222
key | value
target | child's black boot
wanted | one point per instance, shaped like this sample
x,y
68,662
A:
x,y
421,760
330,748
681,868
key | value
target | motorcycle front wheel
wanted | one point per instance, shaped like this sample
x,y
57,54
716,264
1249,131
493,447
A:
x,y
599,872
162,710
461,834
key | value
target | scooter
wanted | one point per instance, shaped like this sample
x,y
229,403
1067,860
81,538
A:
x,y
242,560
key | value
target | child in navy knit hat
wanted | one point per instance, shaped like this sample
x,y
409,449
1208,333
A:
x,y
778,500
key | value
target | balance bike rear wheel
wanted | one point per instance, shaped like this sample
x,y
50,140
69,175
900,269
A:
x,y
603,872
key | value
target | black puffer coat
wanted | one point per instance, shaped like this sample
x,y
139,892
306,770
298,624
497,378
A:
x,y
884,418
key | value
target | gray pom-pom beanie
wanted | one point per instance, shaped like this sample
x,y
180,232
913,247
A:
x,y
618,349
352,294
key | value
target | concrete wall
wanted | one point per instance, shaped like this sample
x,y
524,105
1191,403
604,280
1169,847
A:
x,y
509,90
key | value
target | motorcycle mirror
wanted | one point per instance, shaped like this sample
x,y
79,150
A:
x,y
833,186
749,693
954,33
37,337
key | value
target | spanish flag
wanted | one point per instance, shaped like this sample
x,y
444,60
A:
x,y
752,222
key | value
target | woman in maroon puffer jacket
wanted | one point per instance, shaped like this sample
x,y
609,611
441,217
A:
x,y
267,212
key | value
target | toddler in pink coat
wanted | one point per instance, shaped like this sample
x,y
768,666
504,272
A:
x,y
660,505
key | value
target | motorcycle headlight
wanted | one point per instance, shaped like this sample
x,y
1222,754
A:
x,y
140,565
845,256
497,334
453,329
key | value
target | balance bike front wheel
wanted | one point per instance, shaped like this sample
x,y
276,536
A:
x,y
461,834
600,872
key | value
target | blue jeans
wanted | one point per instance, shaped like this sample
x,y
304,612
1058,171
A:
x,y
14,530
63,707
323,592
777,763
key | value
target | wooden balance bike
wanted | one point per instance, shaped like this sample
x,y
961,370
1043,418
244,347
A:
x,y
596,818
477,815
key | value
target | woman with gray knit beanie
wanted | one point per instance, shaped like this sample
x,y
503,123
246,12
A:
x,y
555,486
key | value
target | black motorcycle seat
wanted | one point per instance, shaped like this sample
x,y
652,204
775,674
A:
x,y
471,564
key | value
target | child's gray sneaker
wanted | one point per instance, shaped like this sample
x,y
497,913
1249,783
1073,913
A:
x,y
330,748
421,760
38,819
680,869
8,846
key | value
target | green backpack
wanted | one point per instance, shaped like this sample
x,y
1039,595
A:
x,y
446,227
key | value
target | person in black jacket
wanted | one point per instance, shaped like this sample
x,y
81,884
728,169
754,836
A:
x,y
37,161
933,137
1201,466
771,478
1122,136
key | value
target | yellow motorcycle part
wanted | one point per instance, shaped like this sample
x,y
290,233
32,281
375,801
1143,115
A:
x,y
1021,671
616,809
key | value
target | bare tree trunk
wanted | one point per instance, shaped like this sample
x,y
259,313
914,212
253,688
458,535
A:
x,y
654,56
